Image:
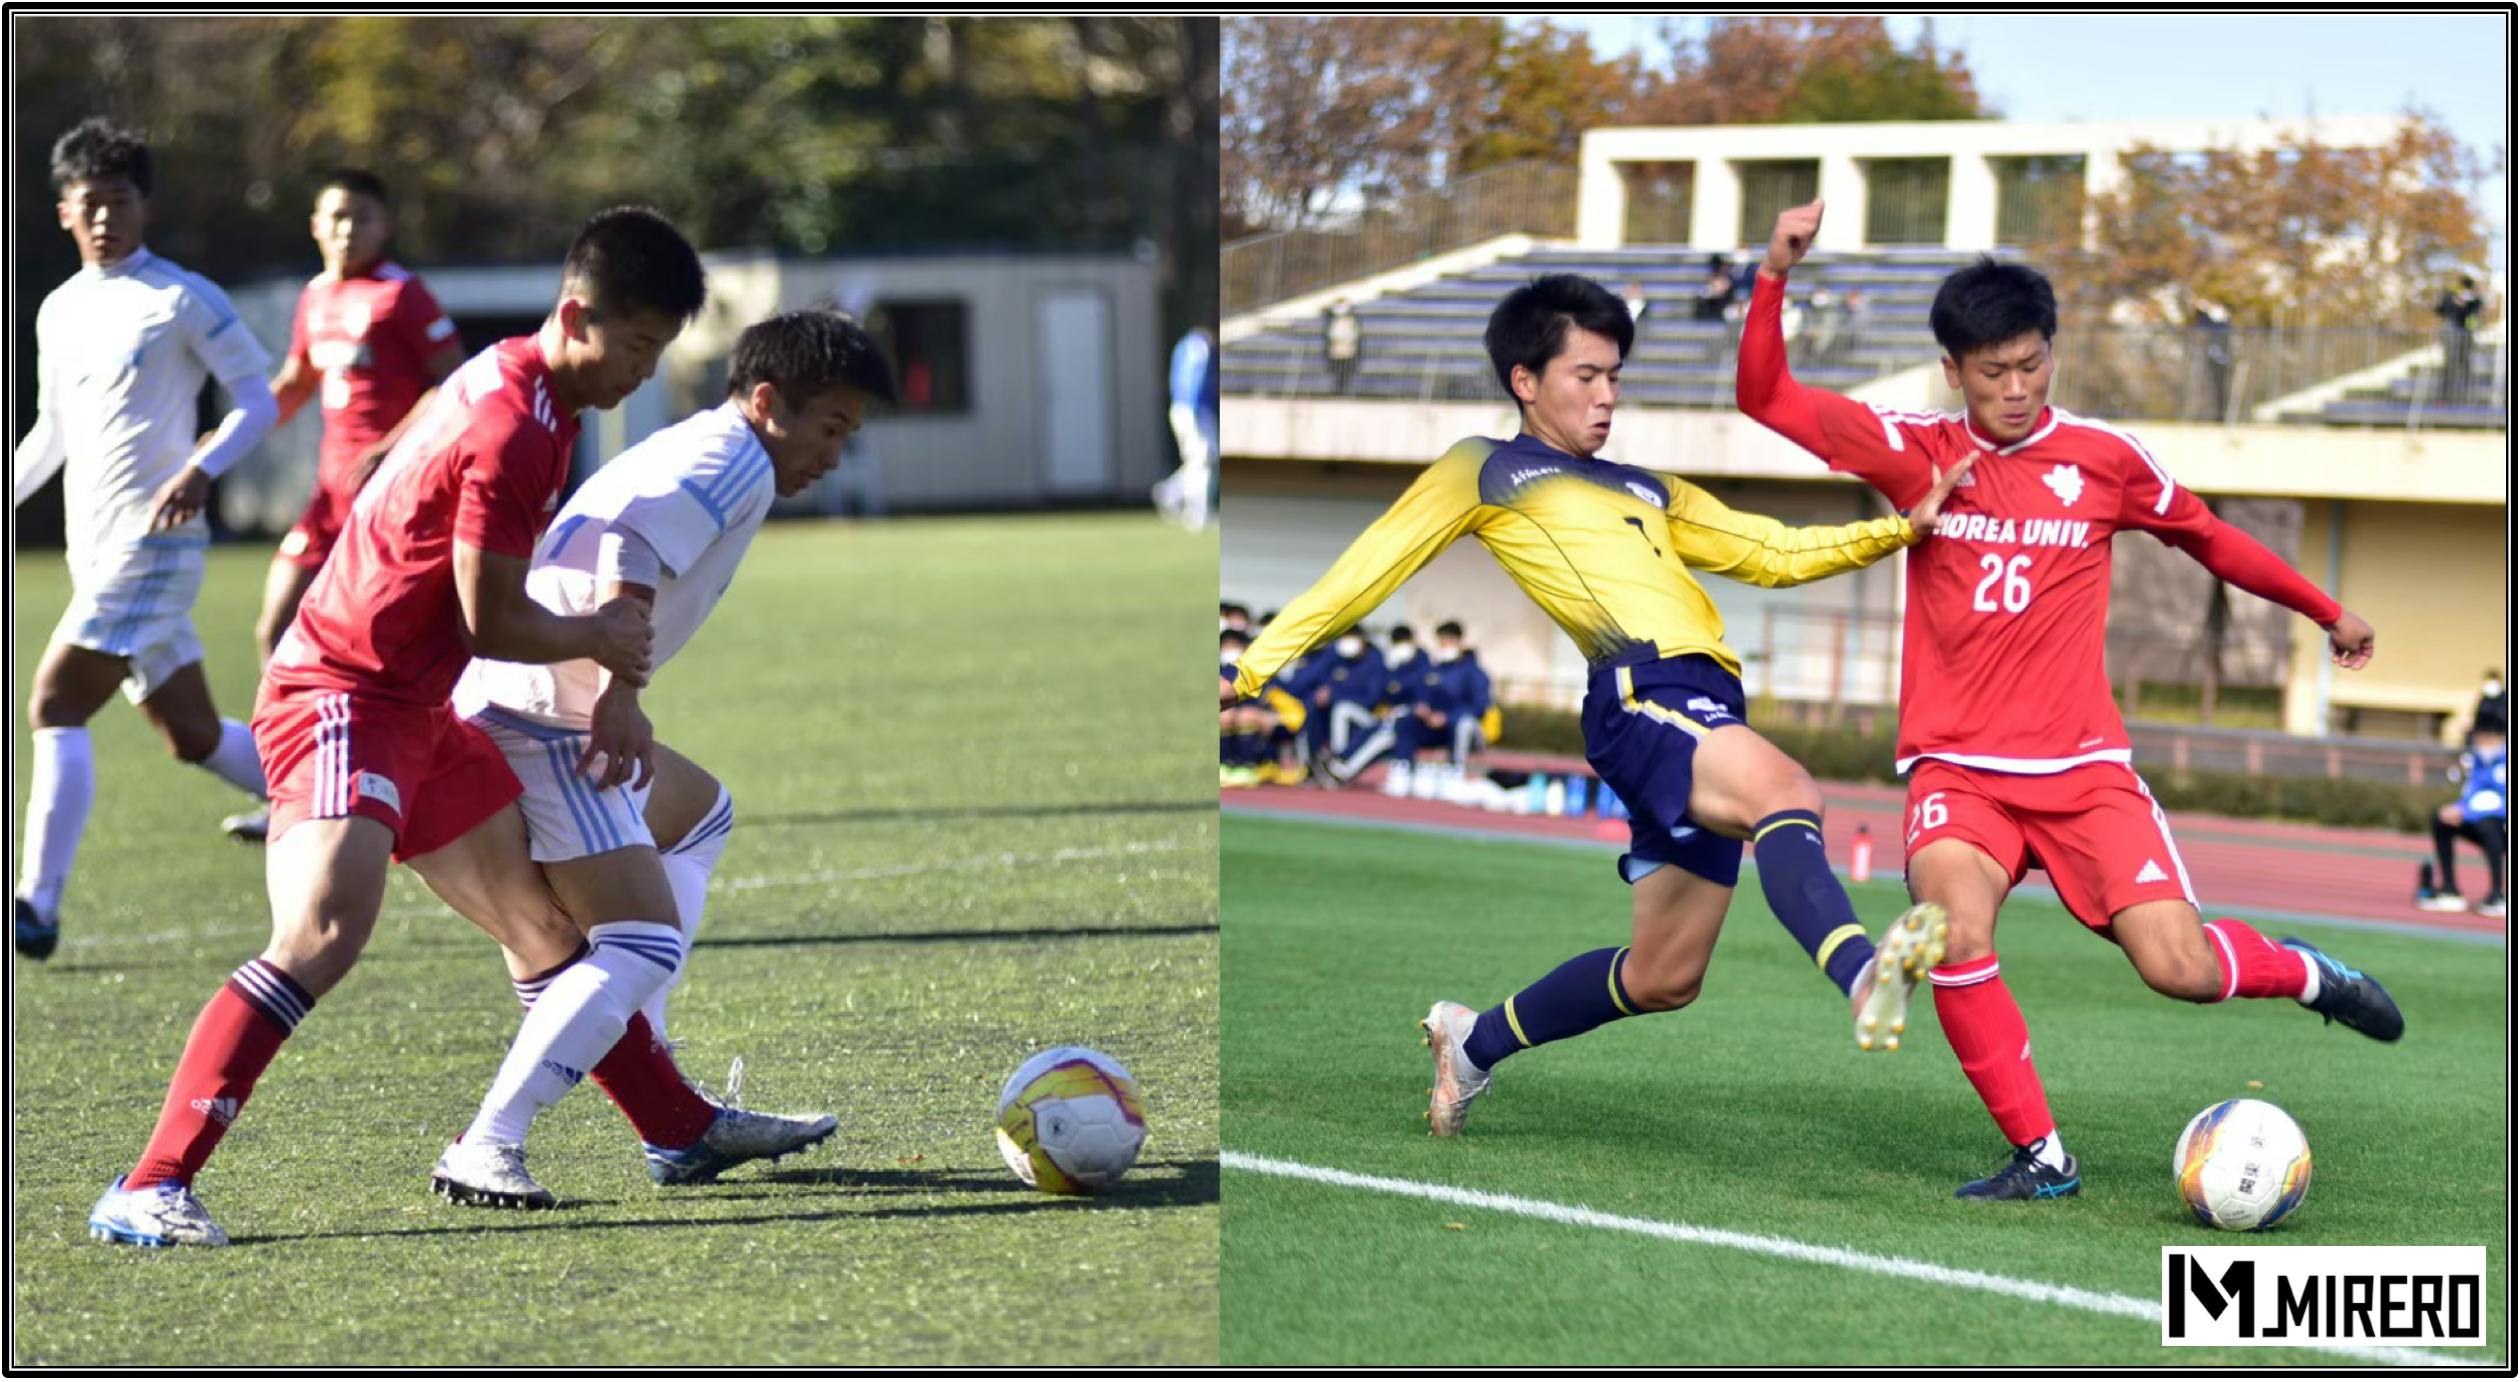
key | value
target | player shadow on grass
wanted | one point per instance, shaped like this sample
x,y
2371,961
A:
x,y
1197,1184
1018,810
1028,933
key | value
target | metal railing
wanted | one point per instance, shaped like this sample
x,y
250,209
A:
x,y
1532,198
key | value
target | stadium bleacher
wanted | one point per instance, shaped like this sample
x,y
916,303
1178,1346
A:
x,y
2415,397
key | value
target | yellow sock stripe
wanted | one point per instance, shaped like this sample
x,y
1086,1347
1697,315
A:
x,y
1515,1023
1813,822
1615,996
1849,932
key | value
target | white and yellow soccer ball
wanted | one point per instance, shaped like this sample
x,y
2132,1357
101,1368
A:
x,y
2242,1165
1069,1121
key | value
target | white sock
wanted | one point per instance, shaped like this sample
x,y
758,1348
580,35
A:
x,y
62,788
688,866
235,762
2050,1151
577,1019
2309,986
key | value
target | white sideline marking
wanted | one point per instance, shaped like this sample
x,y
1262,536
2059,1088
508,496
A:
x,y
1577,1216
433,908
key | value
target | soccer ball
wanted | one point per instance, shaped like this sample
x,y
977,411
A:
x,y
1068,1121
2242,1164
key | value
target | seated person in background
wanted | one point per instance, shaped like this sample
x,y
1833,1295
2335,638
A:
x,y
2478,815
1248,733
1347,687
1405,659
1232,616
1716,293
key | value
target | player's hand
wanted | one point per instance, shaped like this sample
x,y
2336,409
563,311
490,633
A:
x,y
624,639
2349,641
621,743
1796,228
179,499
1927,516
1226,695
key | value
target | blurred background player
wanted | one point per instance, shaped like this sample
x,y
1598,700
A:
x,y
2480,815
1607,550
1188,495
665,525
122,350
2008,731
371,346
368,761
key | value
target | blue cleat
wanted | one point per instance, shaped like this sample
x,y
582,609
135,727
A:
x,y
165,1215
36,937
2025,1177
2350,996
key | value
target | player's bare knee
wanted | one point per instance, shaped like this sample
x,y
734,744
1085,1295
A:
x,y
1662,990
190,741
48,708
1971,936
2190,974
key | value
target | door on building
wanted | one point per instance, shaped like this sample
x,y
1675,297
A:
x,y
1072,350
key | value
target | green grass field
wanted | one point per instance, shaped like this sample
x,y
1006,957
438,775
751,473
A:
x,y
974,819
1752,1112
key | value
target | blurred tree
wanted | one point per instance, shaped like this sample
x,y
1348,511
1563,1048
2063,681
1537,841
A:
x,y
2298,234
1766,69
1542,88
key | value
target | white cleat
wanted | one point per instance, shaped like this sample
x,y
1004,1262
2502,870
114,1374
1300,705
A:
x,y
165,1215
1457,1081
491,1175
1909,946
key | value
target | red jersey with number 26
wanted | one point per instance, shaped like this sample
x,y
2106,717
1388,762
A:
x,y
483,467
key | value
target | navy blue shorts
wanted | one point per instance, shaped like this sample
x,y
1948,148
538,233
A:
x,y
1642,725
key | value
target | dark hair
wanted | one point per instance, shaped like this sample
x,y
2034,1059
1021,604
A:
x,y
98,148
1448,629
1529,327
1988,303
805,353
1225,636
1401,633
1225,607
358,180
630,259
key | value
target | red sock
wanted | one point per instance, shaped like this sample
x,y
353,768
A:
x,y
232,1043
2252,965
1984,1027
639,1075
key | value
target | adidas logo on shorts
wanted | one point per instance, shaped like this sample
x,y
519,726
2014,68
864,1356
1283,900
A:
x,y
2151,873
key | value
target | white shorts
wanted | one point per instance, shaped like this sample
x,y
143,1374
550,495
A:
x,y
566,815
139,607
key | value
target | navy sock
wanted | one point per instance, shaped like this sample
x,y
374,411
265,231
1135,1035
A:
x,y
1569,1000
1794,873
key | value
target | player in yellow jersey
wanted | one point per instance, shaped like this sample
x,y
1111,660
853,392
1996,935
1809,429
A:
x,y
1608,551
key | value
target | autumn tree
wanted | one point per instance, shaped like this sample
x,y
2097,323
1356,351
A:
x,y
1780,69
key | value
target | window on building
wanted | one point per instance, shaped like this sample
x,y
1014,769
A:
x,y
1768,187
1658,202
1906,200
929,342
2038,199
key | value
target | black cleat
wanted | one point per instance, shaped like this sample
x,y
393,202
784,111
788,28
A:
x,y
36,937
2350,996
2025,1177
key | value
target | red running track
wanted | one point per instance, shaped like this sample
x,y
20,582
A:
x,y
2243,868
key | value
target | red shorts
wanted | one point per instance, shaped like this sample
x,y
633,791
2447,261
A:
x,y
418,770
2096,830
308,543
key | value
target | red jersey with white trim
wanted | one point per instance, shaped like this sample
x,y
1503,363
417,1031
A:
x,y
369,337
484,467
2003,657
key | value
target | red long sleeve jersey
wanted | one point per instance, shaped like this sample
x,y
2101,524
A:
x,y
2004,649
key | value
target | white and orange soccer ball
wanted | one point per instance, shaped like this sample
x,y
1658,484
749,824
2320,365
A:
x,y
1069,1122
2242,1165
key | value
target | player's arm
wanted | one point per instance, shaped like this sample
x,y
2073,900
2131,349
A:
x,y
298,378
1711,536
2151,500
1882,450
43,450
228,350
621,740
1441,505
501,621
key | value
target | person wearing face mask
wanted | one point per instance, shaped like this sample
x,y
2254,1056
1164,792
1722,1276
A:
x,y
1249,734
1608,551
2011,740
2480,816
1352,689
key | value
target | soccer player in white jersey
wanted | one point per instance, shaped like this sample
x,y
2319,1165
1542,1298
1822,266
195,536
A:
x,y
666,523
123,349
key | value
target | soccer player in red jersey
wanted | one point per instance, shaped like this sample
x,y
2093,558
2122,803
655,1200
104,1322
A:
x,y
367,759
370,346
2014,748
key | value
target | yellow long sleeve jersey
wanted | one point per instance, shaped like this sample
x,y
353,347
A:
x,y
1606,550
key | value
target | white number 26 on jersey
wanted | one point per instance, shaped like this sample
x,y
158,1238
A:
x,y
2012,576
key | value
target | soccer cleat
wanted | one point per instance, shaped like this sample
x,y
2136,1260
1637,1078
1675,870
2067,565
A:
x,y
736,1136
165,1215
2491,906
36,937
2025,1177
1457,1081
2350,996
2431,901
248,827
1909,946
490,1175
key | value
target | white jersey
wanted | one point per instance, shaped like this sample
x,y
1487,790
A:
x,y
122,353
696,493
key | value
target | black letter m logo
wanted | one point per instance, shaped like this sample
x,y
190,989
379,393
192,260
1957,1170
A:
x,y
2187,1277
